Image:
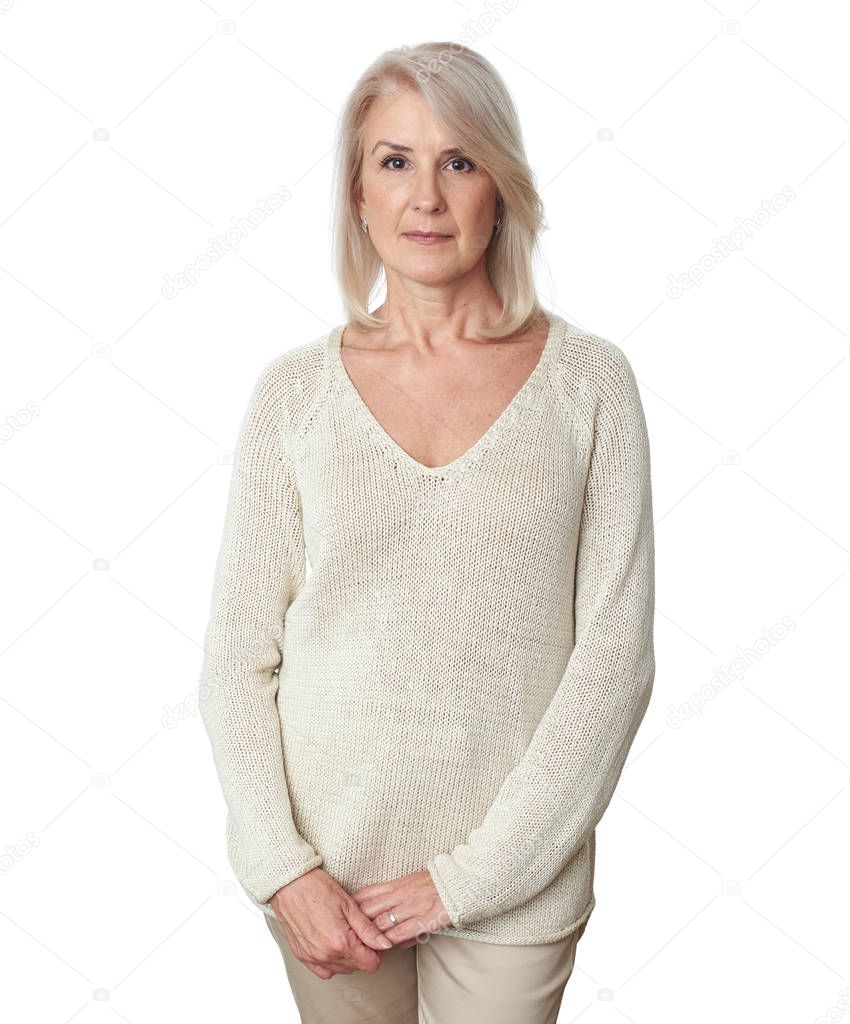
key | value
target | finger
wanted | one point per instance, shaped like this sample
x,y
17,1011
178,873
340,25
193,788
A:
x,y
412,928
385,922
364,892
364,927
354,956
360,957
318,970
377,903
351,955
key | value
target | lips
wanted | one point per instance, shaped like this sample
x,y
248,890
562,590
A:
x,y
422,238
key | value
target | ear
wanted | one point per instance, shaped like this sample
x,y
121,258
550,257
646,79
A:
x,y
360,202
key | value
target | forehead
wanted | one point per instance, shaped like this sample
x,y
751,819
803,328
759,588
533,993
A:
x,y
403,116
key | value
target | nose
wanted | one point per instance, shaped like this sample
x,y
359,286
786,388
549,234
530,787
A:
x,y
426,197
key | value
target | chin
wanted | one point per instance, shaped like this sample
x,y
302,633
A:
x,y
445,276
432,271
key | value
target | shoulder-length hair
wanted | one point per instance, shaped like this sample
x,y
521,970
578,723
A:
x,y
470,98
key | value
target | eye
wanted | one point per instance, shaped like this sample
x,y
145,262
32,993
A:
x,y
455,160
387,159
463,160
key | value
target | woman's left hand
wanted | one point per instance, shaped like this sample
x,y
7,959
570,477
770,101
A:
x,y
414,901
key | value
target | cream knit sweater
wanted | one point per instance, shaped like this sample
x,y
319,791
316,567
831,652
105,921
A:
x,y
409,667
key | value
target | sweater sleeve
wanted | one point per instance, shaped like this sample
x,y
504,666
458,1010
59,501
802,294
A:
x,y
258,571
551,801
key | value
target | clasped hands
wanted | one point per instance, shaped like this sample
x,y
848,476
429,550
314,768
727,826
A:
x,y
333,932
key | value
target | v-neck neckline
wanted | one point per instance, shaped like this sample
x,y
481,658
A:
x,y
557,327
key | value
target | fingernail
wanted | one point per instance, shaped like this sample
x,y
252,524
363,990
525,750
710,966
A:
x,y
385,942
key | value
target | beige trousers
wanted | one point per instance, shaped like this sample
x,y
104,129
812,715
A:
x,y
442,980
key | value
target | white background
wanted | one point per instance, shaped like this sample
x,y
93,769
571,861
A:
x,y
654,129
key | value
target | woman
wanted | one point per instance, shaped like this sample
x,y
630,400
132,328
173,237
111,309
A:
x,y
417,737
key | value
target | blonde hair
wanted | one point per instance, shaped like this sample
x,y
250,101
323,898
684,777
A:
x,y
470,98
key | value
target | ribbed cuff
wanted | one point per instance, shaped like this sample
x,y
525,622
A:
x,y
453,910
262,899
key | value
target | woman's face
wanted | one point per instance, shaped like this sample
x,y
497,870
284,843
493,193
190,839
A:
x,y
411,183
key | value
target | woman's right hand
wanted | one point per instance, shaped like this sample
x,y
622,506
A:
x,y
326,929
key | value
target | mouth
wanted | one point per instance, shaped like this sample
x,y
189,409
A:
x,y
426,237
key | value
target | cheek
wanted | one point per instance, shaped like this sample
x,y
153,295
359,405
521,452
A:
x,y
388,197
378,187
476,212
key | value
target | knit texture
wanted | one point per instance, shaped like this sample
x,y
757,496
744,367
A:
x,y
409,667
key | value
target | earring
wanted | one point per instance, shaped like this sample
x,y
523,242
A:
x,y
498,225
364,224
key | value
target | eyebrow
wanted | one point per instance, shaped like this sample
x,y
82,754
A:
x,y
409,149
